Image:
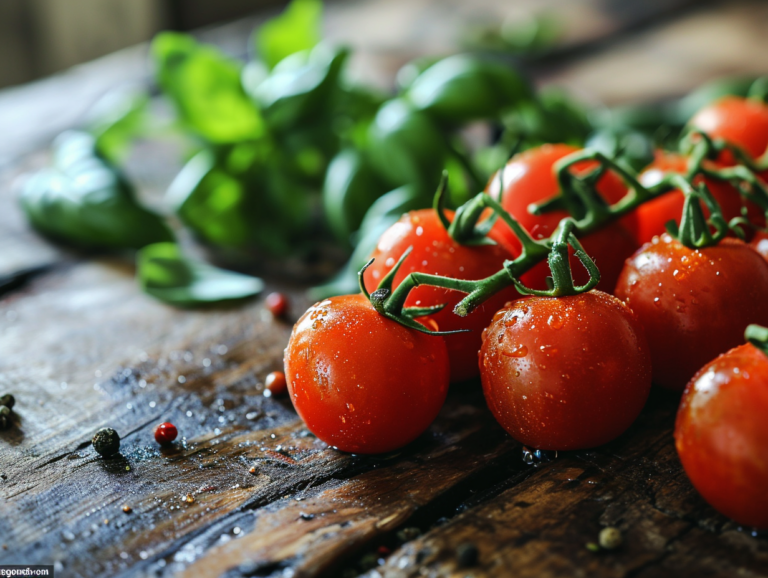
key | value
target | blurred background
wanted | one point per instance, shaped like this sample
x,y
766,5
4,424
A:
x,y
615,71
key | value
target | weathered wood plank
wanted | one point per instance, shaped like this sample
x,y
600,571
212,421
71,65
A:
x,y
541,526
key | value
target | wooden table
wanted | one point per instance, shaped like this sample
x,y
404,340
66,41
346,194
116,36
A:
x,y
82,348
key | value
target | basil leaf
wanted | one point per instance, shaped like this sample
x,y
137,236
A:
x,y
205,87
296,29
299,88
166,274
84,200
242,198
461,88
405,145
351,186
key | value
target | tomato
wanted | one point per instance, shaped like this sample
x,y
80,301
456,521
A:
x,y
694,304
563,373
165,433
360,381
721,434
529,178
650,218
740,121
434,251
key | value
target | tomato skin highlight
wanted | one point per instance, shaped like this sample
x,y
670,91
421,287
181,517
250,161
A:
x,y
650,218
721,434
435,252
565,373
361,382
693,304
529,178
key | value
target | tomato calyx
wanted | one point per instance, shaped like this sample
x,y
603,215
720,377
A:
x,y
387,303
757,335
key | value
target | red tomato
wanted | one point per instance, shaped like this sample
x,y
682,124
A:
x,y
650,218
693,304
740,121
565,373
529,178
362,382
721,434
434,251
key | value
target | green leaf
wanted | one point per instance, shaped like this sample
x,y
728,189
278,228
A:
x,y
351,186
297,28
299,88
120,118
242,198
166,274
406,146
205,87
84,200
461,88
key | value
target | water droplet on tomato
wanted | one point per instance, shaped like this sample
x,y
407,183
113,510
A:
x,y
555,321
500,338
351,407
548,350
657,302
516,351
389,263
419,231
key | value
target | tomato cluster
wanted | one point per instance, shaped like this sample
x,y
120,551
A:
x,y
562,368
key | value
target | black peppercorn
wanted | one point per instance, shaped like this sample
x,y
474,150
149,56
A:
x,y
106,442
467,555
5,417
7,400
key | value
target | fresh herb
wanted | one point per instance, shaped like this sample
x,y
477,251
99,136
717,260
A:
x,y
166,274
84,200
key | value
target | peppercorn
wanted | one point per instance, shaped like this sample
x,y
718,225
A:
x,y
106,442
5,417
165,433
610,538
275,384
8,400
467,555
277,303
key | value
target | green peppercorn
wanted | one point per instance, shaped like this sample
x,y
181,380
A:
x,y
610,538
8,400
106,442
5,417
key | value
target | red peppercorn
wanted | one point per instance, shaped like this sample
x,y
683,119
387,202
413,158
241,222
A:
x,y
277,303
165,433
275,384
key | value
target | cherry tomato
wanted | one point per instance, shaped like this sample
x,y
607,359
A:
x,y
565,373
529,178
693,304
362,382
721,434
434,251
740,121
165,433
277,303
275,384
650,218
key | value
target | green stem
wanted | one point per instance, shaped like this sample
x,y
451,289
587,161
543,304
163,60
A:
x,y
757,336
